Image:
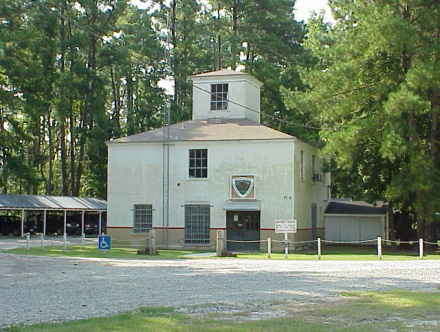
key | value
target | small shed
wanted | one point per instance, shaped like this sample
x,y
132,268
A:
x,y
352,221
44,204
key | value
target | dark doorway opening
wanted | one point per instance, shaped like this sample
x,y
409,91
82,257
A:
x,y
243,226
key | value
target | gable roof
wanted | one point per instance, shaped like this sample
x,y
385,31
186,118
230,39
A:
x,y
209,130
354,207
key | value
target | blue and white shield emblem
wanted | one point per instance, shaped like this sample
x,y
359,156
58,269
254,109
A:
x,y
242,186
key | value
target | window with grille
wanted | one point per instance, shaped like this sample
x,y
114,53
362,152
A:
x,y
197,223
198,163
219,97
143,218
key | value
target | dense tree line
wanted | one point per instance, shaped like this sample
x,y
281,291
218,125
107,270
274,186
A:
x,y
75,73
375,92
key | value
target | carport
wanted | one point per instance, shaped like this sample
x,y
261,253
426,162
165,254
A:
x,y
44,204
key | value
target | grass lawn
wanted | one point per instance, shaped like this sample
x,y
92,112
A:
x,y
396,310
328,253
92,251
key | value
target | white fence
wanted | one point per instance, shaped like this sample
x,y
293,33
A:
x,y
149,244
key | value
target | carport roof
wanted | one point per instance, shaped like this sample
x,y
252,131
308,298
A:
x,y
37,202
351,207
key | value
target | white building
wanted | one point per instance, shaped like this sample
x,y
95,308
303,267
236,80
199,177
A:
x,y
226,172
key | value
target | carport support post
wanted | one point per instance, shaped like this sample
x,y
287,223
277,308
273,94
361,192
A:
x,y
319,248
379,247
421,248
42,241
100,222
44,222
22,222
65,222
83,240
269,247
82,225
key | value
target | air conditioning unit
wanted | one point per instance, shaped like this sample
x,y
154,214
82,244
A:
x,y
317,177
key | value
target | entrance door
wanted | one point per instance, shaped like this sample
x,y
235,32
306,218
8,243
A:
x,y
243,226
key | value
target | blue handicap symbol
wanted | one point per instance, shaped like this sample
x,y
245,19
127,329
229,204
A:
x,y
104,242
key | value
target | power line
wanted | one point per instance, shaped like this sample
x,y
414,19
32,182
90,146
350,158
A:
x,y
259,112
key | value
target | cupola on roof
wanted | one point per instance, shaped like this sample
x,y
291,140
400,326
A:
x,y
227,94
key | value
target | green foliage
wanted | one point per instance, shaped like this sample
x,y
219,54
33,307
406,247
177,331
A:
x,y
374,91
76,73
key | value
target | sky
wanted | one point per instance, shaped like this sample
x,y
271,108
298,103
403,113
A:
x,y
303,8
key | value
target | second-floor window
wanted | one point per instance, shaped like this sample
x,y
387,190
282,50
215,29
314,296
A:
x,y
219,97
198,163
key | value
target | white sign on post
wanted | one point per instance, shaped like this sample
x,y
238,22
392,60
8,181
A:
x,y
285,226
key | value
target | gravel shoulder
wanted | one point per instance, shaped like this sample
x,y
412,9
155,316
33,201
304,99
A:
x,y
41,289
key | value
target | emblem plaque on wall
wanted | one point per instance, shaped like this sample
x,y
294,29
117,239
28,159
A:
x,y
243,186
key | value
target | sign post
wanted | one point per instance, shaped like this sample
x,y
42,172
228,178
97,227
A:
x,y
104,242
286,227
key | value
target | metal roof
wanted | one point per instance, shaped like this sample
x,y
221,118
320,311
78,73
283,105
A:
x,y
37,202
351,207
209,130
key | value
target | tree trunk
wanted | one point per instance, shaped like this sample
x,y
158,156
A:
x,y
72,147
391,224
49,156
62,120
117,105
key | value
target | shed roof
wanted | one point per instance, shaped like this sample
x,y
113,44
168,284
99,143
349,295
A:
x,y
354,207
51,202
209,130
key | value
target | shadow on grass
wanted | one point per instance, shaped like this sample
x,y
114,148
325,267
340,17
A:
x,y
362,311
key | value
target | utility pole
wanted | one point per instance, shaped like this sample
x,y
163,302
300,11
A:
x,y
166,148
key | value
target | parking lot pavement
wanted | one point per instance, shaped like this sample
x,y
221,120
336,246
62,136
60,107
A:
x,y
12,242
41,289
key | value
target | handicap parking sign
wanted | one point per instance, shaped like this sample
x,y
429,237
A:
x,y
104,242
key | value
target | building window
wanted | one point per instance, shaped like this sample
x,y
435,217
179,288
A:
x,y
301,166
316,173
198,163
219,97
143,218
197,222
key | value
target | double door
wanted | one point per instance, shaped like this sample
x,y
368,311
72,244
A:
x,y
243,226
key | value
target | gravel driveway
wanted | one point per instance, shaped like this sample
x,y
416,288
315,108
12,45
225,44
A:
x,y
35,289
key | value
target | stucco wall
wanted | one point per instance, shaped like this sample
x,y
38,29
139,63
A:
x,y
135,177
306,191
242,91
